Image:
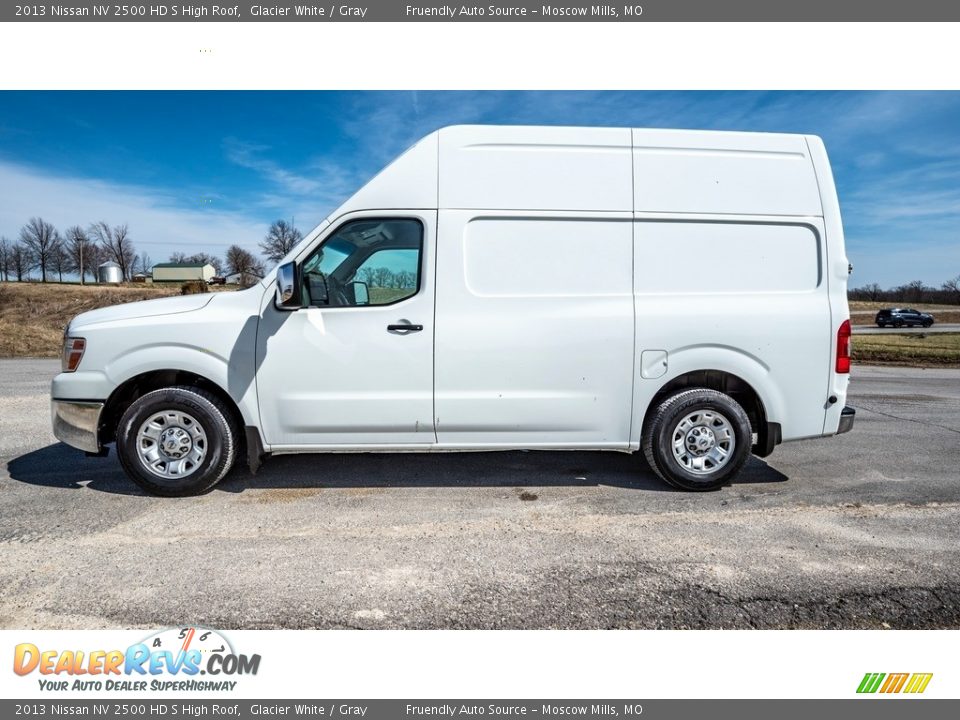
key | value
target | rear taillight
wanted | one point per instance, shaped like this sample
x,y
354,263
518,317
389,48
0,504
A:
x,y
72,353
843,347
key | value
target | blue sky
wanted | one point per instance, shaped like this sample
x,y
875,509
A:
x,y
202,170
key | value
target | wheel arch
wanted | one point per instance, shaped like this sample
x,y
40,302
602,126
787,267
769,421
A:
x,y
758,401
138,385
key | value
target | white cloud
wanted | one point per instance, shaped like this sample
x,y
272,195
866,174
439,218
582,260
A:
x,y
157,224
250,156
325,183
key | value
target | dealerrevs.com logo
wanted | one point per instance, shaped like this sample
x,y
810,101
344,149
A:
x,y
173,660
910,683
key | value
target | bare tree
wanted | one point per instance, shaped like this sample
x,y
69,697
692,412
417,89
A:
x,y
382,277
368,275
40,240
952,287
245,264
81,252
280,239
406,279
874,291
146,263
203,258
5,248
19,260
60,260
913,291
200,258
116,245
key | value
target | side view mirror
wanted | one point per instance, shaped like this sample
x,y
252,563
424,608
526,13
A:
x,y
288,288
361,293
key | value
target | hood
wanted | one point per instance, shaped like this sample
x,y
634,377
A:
x,y
142,309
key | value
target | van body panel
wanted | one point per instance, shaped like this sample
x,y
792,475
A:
x,y
528,168
838,271
215,341
748,287
683,171
534,328
723,358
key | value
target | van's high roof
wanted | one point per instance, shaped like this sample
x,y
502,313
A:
x,y
593,169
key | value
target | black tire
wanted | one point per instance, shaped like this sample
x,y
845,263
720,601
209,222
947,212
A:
x,y
663,422
898,324
220,443
927,323
882,325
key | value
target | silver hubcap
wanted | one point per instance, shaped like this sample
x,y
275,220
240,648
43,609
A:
x,y
171,444
703,442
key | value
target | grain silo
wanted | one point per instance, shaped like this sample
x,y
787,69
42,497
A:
x,y
109,273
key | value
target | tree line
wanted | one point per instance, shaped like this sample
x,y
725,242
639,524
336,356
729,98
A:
x,y
80,250
910,293
382,277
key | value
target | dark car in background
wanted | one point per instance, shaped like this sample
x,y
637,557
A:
x,y
898,317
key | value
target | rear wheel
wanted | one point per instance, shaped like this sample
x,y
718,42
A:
x,y
177,441
697,439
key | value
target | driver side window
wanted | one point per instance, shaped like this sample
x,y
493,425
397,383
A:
x,y
365,262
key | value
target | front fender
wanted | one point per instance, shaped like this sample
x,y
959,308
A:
x,y
233,374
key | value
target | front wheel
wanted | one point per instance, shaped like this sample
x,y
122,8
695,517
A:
x,y
927,323
697,439
177,441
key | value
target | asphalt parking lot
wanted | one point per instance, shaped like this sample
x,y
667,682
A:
x,y
858,531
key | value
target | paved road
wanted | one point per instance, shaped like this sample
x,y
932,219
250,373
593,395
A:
x,y
859,531
874,330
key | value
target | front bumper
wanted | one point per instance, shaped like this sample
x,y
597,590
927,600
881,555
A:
x,y
76,423
846,419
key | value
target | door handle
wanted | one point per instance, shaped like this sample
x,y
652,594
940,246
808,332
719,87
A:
x,y
404,328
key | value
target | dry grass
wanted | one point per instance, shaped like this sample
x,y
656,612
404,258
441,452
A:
x,y
33,315
914,349
871,306
862,312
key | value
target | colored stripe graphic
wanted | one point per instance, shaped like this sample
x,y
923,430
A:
x,y
894,682
870,682
918,682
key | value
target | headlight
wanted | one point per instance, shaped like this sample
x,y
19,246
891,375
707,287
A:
x,y
73,348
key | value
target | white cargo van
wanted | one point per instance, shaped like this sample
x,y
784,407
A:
x,y
677,292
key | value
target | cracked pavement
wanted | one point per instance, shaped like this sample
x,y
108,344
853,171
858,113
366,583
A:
x,y
857,531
